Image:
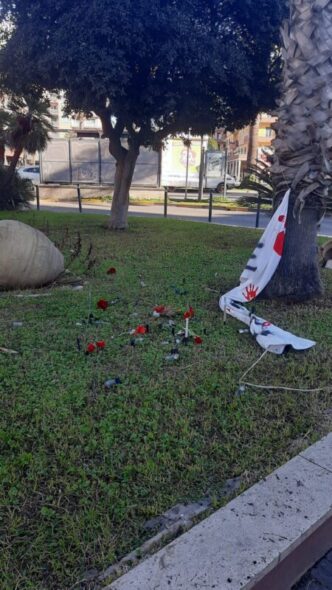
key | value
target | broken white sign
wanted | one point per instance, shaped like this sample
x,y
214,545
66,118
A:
x,y
257,274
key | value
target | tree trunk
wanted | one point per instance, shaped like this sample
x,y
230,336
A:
x,y
125,168
2,154
297,277
303,142
253,143
12,166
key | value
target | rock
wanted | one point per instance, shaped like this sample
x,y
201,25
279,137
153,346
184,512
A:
x,y
27,257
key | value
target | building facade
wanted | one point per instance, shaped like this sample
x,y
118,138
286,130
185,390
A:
x,y
246,146
76,125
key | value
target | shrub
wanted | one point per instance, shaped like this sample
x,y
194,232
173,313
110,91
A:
x,y
15,193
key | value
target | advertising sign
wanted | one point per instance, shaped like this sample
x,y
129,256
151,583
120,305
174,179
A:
x,y
175,158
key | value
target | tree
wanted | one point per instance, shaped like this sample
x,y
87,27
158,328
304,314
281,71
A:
x,y
25,124
29,126
150,68
303,144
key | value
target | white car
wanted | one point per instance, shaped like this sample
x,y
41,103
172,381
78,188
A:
x,y
30,172
230,183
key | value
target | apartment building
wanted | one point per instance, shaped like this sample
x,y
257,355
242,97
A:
x,y
76,125
249,144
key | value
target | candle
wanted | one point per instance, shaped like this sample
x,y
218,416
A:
x,y
186,334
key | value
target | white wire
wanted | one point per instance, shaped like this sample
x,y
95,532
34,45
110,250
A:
x,y
279,387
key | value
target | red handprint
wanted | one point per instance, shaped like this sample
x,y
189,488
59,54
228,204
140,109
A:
x,y
250,292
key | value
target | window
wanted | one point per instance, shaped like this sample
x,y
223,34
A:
x,y
268,132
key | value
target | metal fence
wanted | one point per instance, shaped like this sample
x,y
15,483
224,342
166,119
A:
x,y
88,161
166,202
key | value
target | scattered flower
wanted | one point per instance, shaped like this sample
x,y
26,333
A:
x,y
102,304
198,340
111,271
189,313
141,330
90,348
101,344
159,308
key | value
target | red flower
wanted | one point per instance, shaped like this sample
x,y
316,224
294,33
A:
x,y
111,271
159,308
189,314
198,340
101,344
141,330
91,347
102,304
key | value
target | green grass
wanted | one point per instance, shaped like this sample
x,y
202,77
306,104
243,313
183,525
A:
x,y
82,468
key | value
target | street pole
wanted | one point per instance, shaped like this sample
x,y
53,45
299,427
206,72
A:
x,y
187,167
165,201
258,210
79,198
210,206
37,197
201,172
225,171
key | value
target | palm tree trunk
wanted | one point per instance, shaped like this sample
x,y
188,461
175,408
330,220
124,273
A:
x,y
2,154
303,143
13,164
253,144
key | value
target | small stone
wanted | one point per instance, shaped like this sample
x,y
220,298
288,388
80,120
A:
x,y
172,357
240,391
111,382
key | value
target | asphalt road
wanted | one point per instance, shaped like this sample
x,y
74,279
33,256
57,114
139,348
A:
x,y
236,219
319,577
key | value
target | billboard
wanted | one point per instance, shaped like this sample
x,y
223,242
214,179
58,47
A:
x,y
175,158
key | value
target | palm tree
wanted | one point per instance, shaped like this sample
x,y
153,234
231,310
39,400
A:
x,y
303,144
28,128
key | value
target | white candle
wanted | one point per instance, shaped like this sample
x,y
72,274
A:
x,y
186,334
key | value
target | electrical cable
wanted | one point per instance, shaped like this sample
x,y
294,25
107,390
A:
x,y
278,387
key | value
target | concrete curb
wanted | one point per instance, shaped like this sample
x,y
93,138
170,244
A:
x,y
237,546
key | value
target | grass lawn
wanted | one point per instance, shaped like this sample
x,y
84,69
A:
x,y
82,468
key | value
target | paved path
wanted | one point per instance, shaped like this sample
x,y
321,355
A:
x,y
229,218
319,577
